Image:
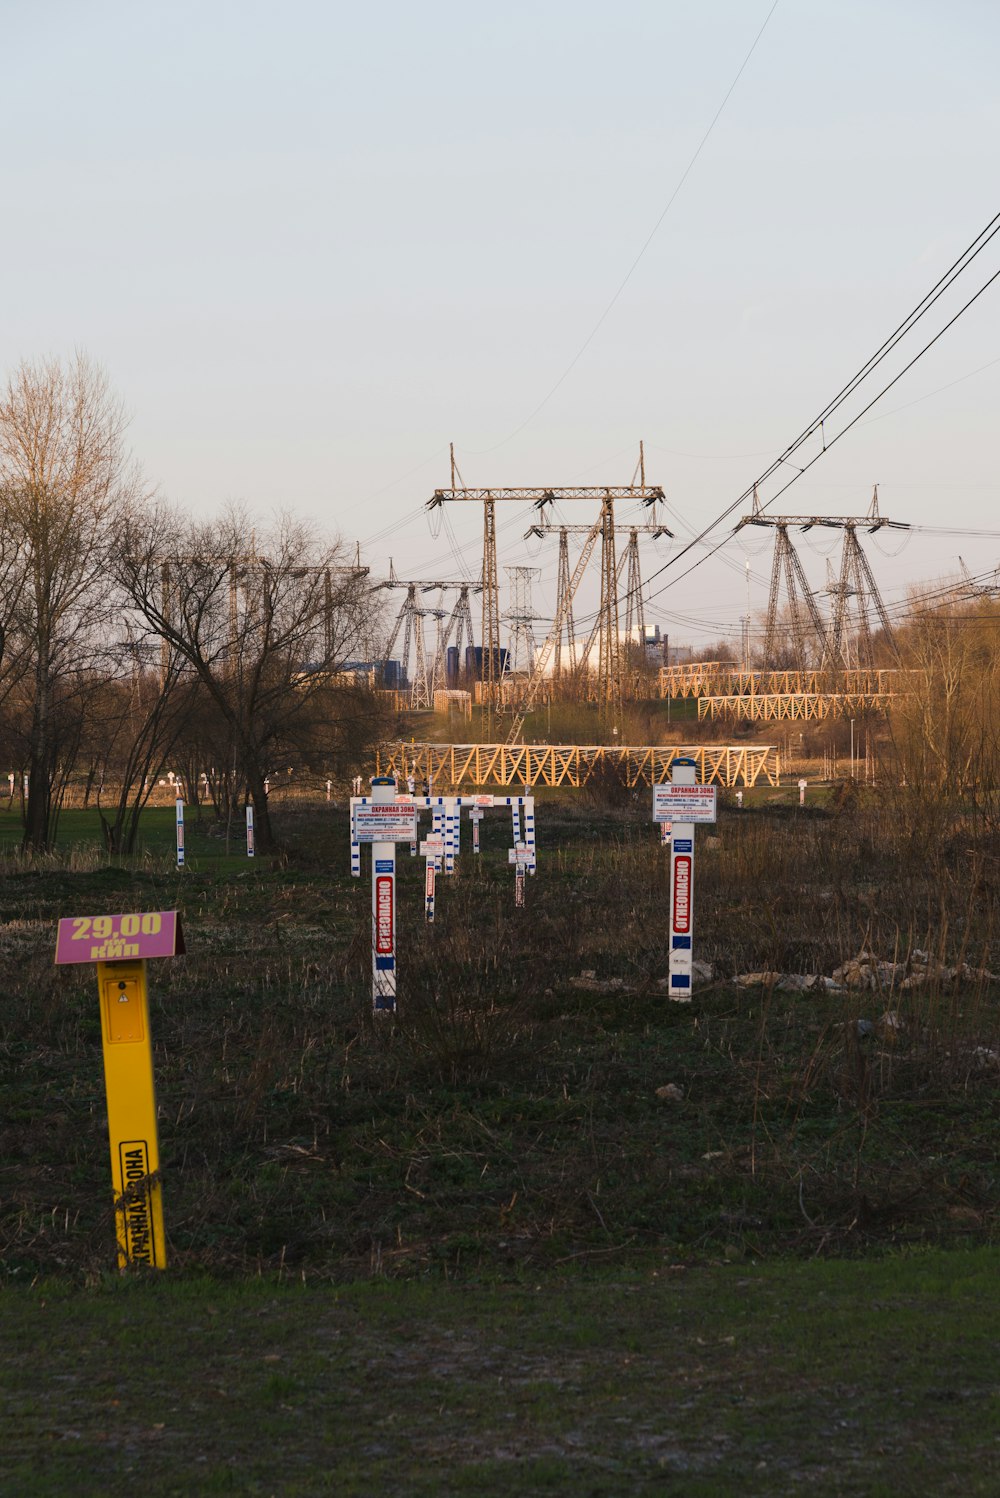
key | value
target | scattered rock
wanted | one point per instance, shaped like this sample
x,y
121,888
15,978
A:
x,y
865,1028
891,1021
589,981
702,972
671,1093
756,980
806,983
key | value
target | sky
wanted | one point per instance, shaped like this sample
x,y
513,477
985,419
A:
x,y
314,243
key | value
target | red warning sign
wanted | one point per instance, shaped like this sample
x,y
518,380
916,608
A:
x,y
383,916
682,894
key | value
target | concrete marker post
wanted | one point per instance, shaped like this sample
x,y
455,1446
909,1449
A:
x,y
684,802
250,841
383,908
179,809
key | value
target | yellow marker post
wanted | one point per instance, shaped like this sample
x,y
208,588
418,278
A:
x,y
120,945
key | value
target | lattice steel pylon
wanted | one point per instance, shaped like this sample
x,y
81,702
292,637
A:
x,y
408,627
628,559
564,611
856,582
635,614
609,669
799,597
425,677
540,496
521,617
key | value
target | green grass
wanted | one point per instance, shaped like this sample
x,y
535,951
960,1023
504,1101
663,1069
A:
x,y
821,1377
79,831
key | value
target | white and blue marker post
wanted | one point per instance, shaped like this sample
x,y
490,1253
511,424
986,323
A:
x,y
250,841
520,857
179,806
682,802
431,847
383,823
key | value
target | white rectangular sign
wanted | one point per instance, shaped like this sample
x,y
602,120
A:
x,y
385,823
684,803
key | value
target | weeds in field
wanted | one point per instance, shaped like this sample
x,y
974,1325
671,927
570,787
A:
x,y
508,1119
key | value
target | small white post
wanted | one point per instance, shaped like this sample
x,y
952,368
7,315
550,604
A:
x,y
529,833
250,844
430,848
520,857
739,799
802,792
179,806
475,817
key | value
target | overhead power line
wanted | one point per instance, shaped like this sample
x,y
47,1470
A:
x,y
818,425
483,451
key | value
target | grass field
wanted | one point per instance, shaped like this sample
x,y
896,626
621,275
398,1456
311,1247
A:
x,y
825,1377
528,1198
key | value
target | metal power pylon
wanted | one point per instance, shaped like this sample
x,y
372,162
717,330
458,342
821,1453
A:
x,y
245,574
856,582
521,618
627,566
540,497
409,629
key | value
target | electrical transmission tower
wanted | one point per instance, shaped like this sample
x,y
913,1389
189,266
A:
x,y
854,592
246,576
521,617
540,497
430,671
627,567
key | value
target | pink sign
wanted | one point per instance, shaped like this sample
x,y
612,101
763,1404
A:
x,y
682,893
119,938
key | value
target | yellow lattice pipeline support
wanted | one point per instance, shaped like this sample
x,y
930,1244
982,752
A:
x,y
450,767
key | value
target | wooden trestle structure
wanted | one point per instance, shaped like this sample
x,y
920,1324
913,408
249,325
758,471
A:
x,y
451,766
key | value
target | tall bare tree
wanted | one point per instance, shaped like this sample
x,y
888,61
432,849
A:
x,y
265,622
65,486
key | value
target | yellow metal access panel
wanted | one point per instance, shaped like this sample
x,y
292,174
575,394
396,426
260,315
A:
x,y
128,1075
